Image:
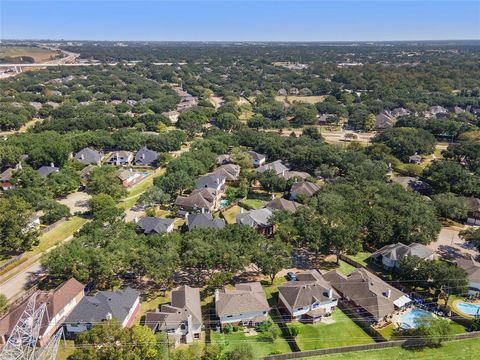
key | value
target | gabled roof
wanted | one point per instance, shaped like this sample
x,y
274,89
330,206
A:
x,y
204,221
224,159
194,200
305,187
209,181
255,218
125,174
367,291
7,175
473,204
151,224
283,205
277,166
94,309
120,154
415,157
185,302
384,120
246,298
88,156
296,175
472,268
44,171
146,157
309,288
398,251
230,172
256,156
55,300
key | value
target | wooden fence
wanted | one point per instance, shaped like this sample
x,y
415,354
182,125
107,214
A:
x,y
10,262
346,349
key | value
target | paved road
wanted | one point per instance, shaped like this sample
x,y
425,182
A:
x,y
17,285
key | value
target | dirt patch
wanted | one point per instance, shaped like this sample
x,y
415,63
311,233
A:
x,y
77,202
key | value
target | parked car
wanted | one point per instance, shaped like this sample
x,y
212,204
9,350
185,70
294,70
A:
x,y
291,276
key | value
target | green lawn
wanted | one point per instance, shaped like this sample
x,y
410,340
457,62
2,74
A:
x,y
342,332
65,349
454,350
254,203
230,215
152,304
58,234
346,268
261,345
360,257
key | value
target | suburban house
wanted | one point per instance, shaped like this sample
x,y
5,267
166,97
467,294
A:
x,y
88,156
282,204
211,181
5,179
181,319
390,256
201,200
120,158
415,159
399,112
224,159
276,166
374,297
413,183
437,111
44,171
153,225
296,175
304,188
473,217
258,219
257,159
384,120
129,177
310,298
146,157
122,305
472,268
204,221
245,305
230,172
59,304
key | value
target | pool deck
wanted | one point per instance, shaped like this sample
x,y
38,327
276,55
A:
x,y
457,309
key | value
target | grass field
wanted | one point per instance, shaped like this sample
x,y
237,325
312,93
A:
x,y
261,345
230,215
360,257
458,350
39,54
342,332
254,203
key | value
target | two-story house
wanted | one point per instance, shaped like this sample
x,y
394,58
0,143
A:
x,y
257,159
182,319
310,298
245,305
120,158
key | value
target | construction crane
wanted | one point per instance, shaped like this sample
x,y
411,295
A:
x,y
22,342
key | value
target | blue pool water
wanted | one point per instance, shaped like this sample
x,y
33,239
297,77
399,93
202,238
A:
x,y
223,204
470,309
410,319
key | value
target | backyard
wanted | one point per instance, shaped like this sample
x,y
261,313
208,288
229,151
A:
x,y
342,332
230,215
460,349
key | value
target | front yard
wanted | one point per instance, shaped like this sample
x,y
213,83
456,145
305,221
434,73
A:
x,y
262,345
342,332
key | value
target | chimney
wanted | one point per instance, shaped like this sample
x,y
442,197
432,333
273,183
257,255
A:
x,y
330,293
241,210
109,316
217,181
135,220
52,165
118,158
143,156
388,293
217,295
82,157
203,210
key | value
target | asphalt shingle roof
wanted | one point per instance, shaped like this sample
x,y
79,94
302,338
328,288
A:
x,y
151,224
146,157
88,156
246,298
204,221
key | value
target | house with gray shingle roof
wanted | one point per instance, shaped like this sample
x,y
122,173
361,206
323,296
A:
x,y
473,211
304,188
373,297
120,158
309,298
146,157
282,204
472,269
230,172
257,159
153,225
212,181
122,305
197,201
246,305
390,256
258,219
88,156
44,171
275,166
181,319
204,221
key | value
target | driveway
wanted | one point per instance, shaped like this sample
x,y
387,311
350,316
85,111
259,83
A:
x,y
449,245
76,202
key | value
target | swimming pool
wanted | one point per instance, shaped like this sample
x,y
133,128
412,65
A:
x,y
470,309
410,319
224,204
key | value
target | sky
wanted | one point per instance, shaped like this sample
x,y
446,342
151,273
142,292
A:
x,y
236,20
